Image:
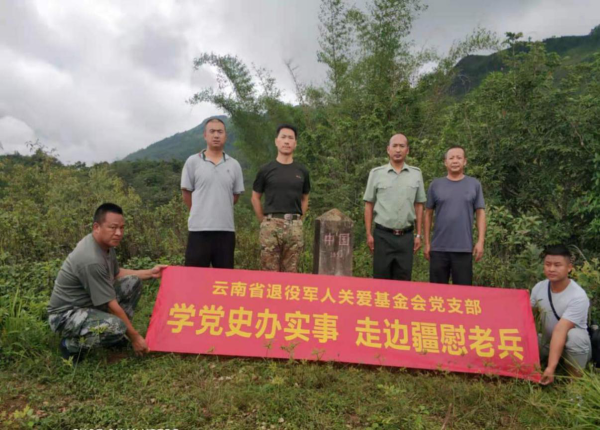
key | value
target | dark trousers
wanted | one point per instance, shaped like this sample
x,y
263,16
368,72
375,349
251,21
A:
x,y
459,265
206,248
393,255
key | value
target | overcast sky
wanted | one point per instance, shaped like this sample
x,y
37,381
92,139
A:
x,y
99,79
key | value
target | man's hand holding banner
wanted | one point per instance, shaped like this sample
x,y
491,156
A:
x,y
352,320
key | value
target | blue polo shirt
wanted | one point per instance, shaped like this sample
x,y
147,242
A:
x,y
455,203
212,186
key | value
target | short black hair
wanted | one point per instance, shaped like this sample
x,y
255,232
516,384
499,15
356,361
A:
x,y
455,147
390,141
105,208
291,127
212,119
561,250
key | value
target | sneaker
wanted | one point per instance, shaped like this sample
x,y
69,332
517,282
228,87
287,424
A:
x,y
66,354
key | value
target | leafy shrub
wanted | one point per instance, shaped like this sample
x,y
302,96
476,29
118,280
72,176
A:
x,y
588,276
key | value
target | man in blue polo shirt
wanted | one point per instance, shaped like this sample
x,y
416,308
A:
x,y
211,183
456,200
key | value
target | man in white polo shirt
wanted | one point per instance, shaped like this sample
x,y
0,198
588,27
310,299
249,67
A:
x,y
211,183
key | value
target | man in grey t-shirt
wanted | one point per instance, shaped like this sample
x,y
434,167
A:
x,y
454,200
211,183
566,336
93,299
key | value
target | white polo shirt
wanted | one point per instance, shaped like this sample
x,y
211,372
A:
x,y
212,186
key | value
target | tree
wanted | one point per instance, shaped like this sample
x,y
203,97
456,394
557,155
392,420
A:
x,y
335,42
252,101
533,139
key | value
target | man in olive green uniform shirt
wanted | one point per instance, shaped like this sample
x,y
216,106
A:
x,y
394,199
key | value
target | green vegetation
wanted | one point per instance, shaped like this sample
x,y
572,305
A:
x,y
531,137
113,389
468,74
472,69
154,181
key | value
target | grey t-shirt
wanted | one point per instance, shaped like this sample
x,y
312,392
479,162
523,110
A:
x,y
212,186
571,304
86,278
455,203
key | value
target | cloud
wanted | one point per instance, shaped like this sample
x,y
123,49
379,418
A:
x,y
447,21
159,50
99,80
13,132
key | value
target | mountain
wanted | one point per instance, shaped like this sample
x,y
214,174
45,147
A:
x,y
181,145
472,69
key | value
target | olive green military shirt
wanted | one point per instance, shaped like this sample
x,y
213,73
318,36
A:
x,y
395,195
86,278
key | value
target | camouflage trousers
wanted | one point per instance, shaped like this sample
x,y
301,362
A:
x,y
91,327
281,243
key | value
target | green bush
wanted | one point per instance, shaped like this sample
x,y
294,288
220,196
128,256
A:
x,y
24,293
588,276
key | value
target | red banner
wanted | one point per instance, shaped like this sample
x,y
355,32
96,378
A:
x,y
353,320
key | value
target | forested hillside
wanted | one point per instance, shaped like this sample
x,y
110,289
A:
x,y
468,72
472,69
181,145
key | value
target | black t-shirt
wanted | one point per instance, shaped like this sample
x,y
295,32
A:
x,y
283,186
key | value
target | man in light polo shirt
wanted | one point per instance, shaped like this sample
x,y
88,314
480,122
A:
x,y
394,199
211,183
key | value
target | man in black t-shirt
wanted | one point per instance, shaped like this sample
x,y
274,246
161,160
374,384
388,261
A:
x,y
286,185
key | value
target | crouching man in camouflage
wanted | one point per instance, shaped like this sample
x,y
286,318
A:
x,y
285,184
93,300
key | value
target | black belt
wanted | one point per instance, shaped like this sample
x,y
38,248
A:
x,y
395,232
287,217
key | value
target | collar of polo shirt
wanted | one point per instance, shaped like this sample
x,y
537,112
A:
x,y
203,154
